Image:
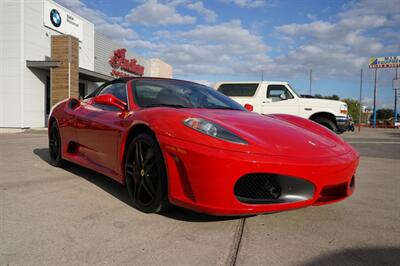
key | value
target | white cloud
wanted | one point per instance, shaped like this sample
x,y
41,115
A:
x,y
109,26
209,15
312,17
153,13
332,47
246,3
204,82
214,49
370,7
339,46
366,22
228,33
316,28
115,31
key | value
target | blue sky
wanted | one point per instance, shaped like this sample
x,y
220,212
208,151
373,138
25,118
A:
x,y
210,41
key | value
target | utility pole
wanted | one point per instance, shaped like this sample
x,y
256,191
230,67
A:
x,y
360,101
375,95
395,102
310,81
262,75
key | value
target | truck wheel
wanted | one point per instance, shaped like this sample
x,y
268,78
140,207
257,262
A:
x,y
327,123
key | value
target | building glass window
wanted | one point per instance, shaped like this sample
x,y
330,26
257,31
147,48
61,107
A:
x,y
82,90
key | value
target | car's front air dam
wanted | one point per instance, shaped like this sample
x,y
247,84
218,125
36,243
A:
x,y
202,178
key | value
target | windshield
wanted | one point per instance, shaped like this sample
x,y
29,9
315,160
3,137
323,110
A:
x,y
181,94
294,91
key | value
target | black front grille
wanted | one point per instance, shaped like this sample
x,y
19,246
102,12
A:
x,y
257,187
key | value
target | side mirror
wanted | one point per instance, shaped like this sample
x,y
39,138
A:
x,y
249,107
282,96
110,100
73,103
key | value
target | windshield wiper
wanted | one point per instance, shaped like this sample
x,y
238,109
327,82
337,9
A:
x,y
166,105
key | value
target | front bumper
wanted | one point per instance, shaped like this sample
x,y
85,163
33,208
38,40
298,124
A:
x,y
203,178
342,123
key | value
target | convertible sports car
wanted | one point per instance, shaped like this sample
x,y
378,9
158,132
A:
x,y
177,142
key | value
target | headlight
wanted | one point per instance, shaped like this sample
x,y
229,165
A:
x,y
213,130
343,109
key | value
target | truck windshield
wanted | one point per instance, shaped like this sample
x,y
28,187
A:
x,y
180,94
293,90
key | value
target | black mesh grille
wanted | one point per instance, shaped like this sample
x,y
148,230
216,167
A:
x,y
257,187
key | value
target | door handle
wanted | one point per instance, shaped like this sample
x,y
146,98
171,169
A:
x,y
308,109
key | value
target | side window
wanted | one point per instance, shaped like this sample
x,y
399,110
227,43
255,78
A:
x,y
238,90
116,89
274,92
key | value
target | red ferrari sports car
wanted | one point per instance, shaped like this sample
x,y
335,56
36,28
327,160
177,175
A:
x,y
177,142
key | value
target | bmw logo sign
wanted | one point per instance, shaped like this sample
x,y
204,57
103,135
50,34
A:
x,y
55,18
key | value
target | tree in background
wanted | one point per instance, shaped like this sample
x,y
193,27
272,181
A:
x,y
353,107
384,113
333,97
329,97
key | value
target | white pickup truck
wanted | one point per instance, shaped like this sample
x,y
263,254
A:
x,y
270,97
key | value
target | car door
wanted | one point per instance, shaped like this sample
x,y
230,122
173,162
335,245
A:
x,y
279,100
99,129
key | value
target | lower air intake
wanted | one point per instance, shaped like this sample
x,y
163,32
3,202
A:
x,y
264,188
257,186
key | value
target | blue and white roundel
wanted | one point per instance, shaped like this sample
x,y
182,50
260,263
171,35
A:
x,y
55,18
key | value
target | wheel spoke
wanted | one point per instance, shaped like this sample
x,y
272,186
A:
x,y
148,163
138,189
143,174
148,188
129,171
149,167
54,134
139,154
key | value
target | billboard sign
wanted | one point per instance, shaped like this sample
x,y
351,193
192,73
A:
x,y
384,62
62,20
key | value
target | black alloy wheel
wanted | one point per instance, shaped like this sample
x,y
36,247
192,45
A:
x,y
145,175
55,146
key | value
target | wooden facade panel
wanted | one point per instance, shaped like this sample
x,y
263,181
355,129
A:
x,y
64,79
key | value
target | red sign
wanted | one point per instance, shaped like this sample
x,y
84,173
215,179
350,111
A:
x,y
118,62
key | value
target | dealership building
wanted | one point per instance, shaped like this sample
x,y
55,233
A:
x,y
48,53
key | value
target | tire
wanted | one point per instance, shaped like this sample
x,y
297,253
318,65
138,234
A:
x,y
327,123
145,175
55,146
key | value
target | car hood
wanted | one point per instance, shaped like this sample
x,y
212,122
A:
x,y
273,135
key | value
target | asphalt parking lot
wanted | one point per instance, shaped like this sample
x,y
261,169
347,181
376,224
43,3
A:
x,y
73,216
